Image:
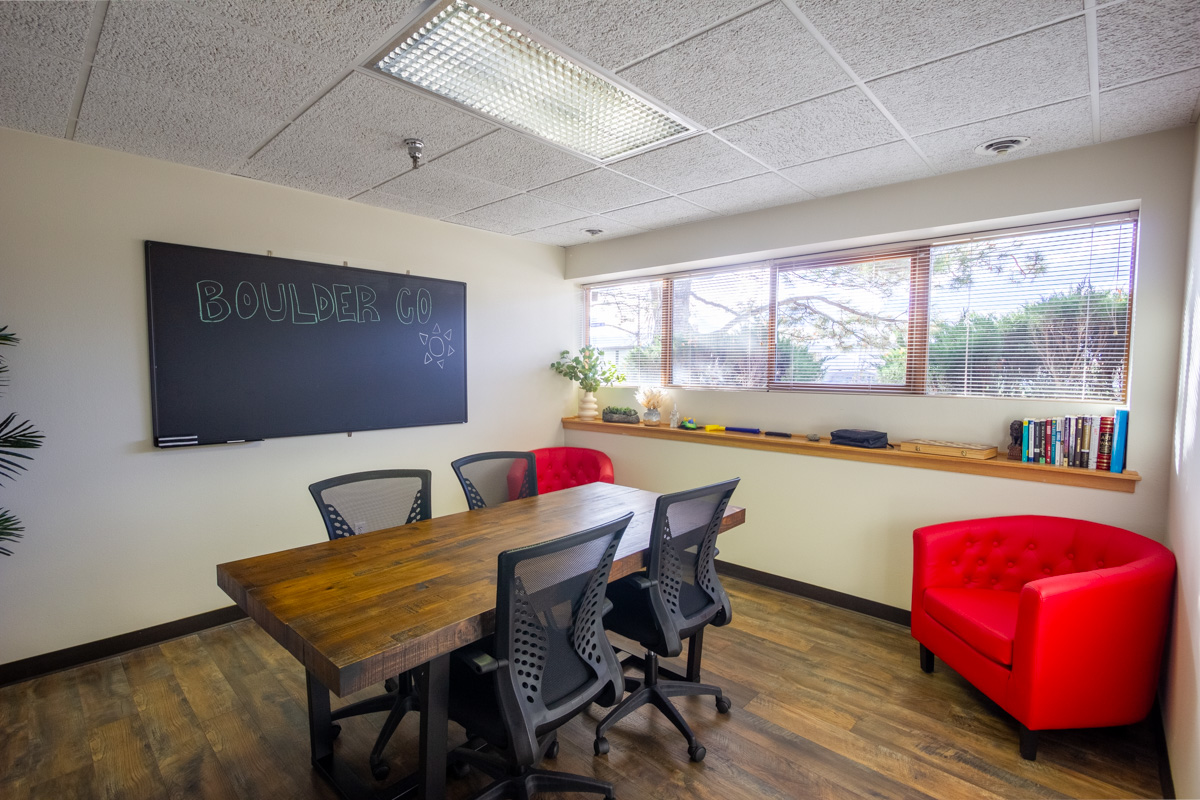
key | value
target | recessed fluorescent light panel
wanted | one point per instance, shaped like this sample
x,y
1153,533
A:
x,y
470,56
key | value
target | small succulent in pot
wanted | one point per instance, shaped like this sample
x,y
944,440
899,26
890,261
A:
x,y
620,414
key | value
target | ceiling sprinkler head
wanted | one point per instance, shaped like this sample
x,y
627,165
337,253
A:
x,y
415,146
1002,146
593,231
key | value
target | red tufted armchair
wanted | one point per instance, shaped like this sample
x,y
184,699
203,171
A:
x,y
1060,621
564,467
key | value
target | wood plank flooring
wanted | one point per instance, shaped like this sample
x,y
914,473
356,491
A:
x,y
827,703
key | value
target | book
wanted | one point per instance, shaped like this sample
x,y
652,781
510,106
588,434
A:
x,y
1094,446
1120,437
1025,440
1104,453
1085,442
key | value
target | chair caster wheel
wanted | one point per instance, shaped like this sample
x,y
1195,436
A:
x,y
334,731
380,770
723,705
697,752
600,746
459,769
552,750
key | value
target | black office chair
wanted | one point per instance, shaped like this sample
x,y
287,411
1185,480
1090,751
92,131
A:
x,y
360,503
489,479
548,661
673,600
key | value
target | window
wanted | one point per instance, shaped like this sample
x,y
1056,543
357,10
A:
x,y
1041,312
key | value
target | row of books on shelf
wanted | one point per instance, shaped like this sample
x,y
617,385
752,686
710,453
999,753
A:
x,y
1091,442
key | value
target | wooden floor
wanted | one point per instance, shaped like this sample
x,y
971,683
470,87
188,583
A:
x,y
827,703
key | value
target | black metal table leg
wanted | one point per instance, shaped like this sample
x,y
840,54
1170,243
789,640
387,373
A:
x,y
433,680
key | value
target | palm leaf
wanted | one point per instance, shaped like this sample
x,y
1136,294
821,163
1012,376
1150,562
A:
x,y
10,529
16,436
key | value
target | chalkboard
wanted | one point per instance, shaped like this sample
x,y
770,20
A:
x,y
246,347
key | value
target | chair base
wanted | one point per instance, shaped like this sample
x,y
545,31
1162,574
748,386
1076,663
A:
x,y
525,782
651,691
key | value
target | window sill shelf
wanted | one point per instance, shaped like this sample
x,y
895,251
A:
x,y
999,467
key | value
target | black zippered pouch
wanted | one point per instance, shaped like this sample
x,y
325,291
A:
x,y
853,437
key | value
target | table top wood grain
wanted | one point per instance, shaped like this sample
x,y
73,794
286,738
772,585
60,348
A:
x,y
355,611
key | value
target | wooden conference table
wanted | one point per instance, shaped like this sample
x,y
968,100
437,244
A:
x,y
358,610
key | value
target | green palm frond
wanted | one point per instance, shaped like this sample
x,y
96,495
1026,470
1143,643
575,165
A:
x,y
16,436
10,529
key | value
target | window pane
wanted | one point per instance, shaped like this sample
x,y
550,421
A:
x,y
1042,315
843,323
720,328
625,321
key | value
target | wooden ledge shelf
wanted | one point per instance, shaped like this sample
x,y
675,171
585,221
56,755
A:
x,y
999,467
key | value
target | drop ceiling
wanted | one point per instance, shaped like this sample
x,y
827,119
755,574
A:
x,y
794,99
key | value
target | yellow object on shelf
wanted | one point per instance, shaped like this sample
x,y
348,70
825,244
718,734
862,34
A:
x,y
937,447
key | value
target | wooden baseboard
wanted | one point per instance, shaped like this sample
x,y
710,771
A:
x,y
33,667
840,599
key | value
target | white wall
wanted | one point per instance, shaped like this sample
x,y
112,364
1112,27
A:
x,y
848,526
1181,701
121,536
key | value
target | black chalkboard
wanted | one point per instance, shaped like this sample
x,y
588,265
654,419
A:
x,y
246,347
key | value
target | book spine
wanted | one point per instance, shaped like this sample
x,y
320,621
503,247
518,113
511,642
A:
x,y
1047,447
1120,440
1094,447
1078,442
1104,453
1069,441
1025,440
1085,442
1058,441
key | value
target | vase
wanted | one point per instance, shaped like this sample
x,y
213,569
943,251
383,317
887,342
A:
x,y
587,406
651,417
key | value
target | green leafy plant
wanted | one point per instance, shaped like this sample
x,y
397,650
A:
x,y
588,369
14,437
622,410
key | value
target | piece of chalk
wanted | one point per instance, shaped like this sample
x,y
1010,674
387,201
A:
x,y
711,428
743,430
778,433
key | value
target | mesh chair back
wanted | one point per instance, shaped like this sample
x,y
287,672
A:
x,y
683,547
369,501
549,627
489,479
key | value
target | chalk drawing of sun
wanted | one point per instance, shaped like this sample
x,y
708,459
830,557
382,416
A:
x,y
437,344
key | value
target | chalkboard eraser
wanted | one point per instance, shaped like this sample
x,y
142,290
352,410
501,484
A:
x,y
777,433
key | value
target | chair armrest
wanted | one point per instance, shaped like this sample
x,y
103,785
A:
x,y
1091,640
640,580
479,661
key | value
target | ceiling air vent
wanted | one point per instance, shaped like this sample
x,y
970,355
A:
x,y
1002,146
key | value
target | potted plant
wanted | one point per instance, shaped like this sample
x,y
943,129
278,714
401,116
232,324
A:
x,y
14,436
653,398
589,370
620,414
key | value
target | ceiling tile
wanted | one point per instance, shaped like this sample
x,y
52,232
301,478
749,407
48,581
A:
x,y
830,125
376,110
318,160
568,234
176,46
880,36
433,184
614,33
1050,128
511,159
691,164
748,194
345,30
125,114
761,61
875,166
58,29
408,205
598,191
1147,38
660,213
516,215
1150,106
1039,68
37,91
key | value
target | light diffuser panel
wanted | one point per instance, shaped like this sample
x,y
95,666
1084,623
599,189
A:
x,y
471,57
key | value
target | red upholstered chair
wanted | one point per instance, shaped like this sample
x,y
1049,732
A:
x,y
564,467
1060,621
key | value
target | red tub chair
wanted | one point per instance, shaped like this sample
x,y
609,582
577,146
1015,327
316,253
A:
x,y
1060,621
564,467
